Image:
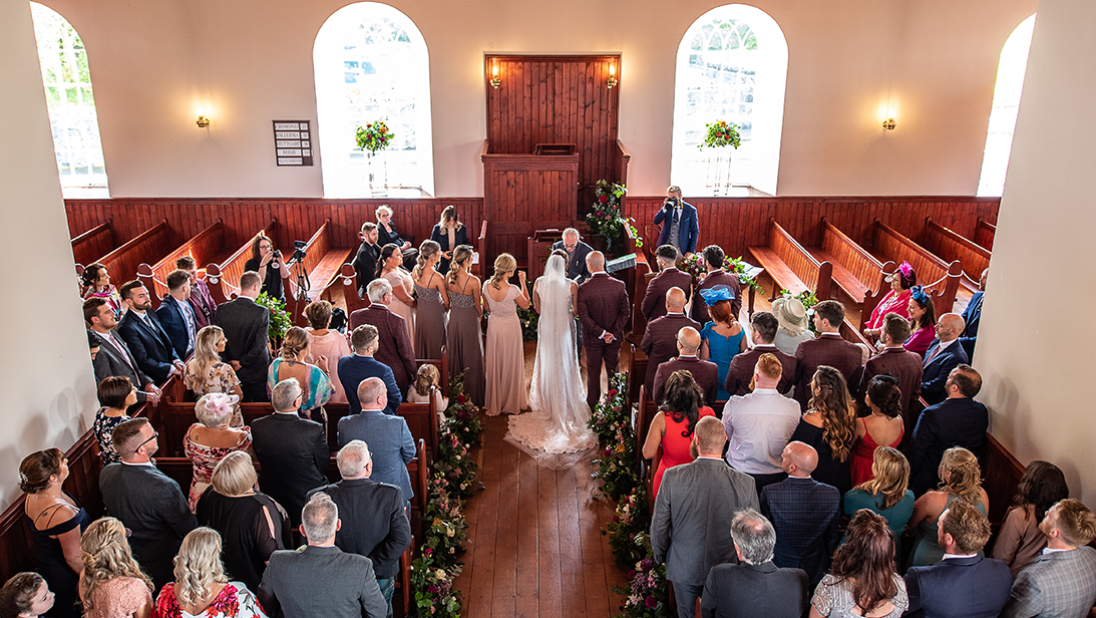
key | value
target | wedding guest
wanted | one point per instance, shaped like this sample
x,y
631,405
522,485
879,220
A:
x,y
116,395
403,287
794,328
604,309
959,420
1020,540
945,353
113,585
961,480
177,316
200,297
268,263
886,493
660,338
201,589
830,427
206,373
679,223
26,595
895,360
716,277
210,439
394,349
504,352
246,327
705,372
897,299
365,260
432,302
829,349
251,523
326,346
96,279
449,233
673,425
464,338
387,234
883,427
291,364
427,378
862,580
668,278
361,365
763,327
146,336
114,357
56,523
922,322
972,316
393,446
723,337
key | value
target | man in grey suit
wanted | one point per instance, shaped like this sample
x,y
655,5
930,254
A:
x,y
146,500
321,580
684,533
246,326
577,269
1061,583
389,437
114,357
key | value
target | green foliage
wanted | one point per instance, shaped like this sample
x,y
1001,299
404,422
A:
x,y
720,134
279,317
809,300
611,421
606,220
530,320
630,521
373,136
698,267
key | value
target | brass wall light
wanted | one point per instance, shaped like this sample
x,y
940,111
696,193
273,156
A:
x,y
203,122
495,81
889,124
612,75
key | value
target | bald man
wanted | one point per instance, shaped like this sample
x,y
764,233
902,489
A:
x,y
689,530
804,513
603,308
706,373
944,354
660,339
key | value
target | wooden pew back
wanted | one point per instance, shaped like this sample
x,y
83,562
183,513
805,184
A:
x,y
146,247
940,279
800,261
93,244
854,258
951,246
984,233
224,278
203,248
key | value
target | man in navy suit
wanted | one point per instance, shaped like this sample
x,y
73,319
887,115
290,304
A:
x,y
804,513
972,316
390,440
146,337
944,354
177,314
962,585
361,365
959,420
680,226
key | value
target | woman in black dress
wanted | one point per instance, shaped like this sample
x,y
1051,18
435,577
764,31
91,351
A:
x,y
387,234
270,266
450,234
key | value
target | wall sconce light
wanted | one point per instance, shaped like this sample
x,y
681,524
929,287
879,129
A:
x,y
889,124
203,122
495,81
612,75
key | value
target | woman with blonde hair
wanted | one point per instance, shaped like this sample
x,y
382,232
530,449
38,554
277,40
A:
x,y
504,353
449,233
211,439
329,345
201,588
830,427
403,286
206,373
432,303
112,584
291,363
886,493
387,234
961,479
465,338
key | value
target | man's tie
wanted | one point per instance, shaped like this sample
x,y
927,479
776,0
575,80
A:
x,y
121,350
935,352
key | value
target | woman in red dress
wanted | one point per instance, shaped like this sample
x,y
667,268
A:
x,y
883,427
897,300
672,428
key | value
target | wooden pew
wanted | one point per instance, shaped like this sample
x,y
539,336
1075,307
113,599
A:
x,y
206,247
792,267
636,279
856,272
224,278
984,233
93,244
146,247
637,368
951,246
321,263
479,265
939,278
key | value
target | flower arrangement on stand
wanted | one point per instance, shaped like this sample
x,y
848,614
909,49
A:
x,y
372,137
607,221
279,317
611,421
696,266
719,135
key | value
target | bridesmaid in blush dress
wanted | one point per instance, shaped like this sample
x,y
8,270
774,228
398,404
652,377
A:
x,y
389,267
432,302
505,352
465,340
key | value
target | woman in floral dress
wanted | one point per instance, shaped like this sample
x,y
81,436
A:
x,y
210,439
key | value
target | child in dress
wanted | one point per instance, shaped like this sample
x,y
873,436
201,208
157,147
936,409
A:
x,y
428,376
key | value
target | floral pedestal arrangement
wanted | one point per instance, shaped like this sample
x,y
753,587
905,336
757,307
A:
x,y
607,222
720,134
375,136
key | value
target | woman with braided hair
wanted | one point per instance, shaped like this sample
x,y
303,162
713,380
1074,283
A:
x,y
291,363
830,427
201,588
465,338
113,584
504,353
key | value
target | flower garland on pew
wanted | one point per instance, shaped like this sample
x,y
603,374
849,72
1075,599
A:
x,y
647,592
452,482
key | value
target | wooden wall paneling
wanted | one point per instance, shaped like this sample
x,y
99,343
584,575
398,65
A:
x,y
984,233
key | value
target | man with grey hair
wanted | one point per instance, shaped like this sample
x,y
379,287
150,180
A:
x,y
576,255
321,580
393,446
684,534
754,588
292,451
353,369
374,521
394,340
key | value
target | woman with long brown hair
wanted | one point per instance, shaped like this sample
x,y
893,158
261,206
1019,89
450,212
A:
x,y
268,262
961,479
113,584
862,581
673,425
449,233
432,302
830,427
1020,541
390,268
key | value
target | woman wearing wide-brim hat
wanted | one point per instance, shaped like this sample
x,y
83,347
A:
x,y
794,328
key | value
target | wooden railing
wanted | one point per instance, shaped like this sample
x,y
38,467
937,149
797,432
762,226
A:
x,y
941,279
951,246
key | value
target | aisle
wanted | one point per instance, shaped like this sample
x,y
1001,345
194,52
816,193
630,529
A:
x,y
535,545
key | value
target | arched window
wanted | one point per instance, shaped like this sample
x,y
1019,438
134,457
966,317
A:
x,y
371,64
75,126
1006,103
732,65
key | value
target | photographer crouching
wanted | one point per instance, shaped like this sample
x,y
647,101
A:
x,y
680,227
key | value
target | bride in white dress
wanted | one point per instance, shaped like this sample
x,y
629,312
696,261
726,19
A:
x,y
555,432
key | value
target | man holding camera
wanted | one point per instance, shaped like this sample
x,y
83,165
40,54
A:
x,y
680,227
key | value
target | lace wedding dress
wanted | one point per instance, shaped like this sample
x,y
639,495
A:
x,y
555,432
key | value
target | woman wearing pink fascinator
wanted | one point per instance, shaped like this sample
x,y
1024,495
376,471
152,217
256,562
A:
x,y
897,300
211,439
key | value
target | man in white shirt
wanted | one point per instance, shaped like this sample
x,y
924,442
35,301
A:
x,y
760,424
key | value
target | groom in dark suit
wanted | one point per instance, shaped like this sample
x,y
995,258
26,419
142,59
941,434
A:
x,y
246,325
604,309
577,269
145,335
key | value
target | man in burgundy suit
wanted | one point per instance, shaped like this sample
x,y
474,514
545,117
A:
x,y
660,338
896,361
706,373
827,349
200,299
713,257
654,301
395,344
763,326
604,309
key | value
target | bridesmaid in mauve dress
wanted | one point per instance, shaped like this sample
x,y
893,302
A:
x,y
389,267
505,351
432,302
465,340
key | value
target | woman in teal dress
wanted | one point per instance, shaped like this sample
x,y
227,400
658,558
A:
x,y
962,480
316,387
886,493
723,337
